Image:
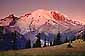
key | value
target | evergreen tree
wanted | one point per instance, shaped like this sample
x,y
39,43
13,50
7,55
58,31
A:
x,y
13,35
1,31
34,45
44,43
38,42
28,44
1,37
83,35
57,39
66,40
54,42
58,36
50,43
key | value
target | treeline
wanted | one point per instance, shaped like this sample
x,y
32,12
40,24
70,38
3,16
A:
x,y
14,40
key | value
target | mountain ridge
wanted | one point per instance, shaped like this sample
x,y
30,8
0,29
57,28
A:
x,y
34,20
46,22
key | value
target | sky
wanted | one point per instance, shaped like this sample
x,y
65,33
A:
x,y
74,9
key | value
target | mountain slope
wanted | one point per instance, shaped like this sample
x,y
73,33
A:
x,y
47,22
40,18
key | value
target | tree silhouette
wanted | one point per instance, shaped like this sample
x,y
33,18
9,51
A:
x,y
54,42
66,40
57,40
1,30
50,43
1,37
83,35
44,43
13,35
28,44
58,36
38,42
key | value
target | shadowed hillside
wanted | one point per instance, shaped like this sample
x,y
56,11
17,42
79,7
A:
x,y
58,50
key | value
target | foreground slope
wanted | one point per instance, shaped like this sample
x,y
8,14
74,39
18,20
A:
x,y
59,50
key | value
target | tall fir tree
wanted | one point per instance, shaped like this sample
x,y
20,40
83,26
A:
x,y
44,43
1,30
66,40
13,35
50,43
38,42
57,40
1,37
28,44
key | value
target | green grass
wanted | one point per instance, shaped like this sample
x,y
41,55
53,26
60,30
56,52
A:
x,y
58,50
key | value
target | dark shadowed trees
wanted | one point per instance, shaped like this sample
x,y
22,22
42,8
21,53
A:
x,y
1,37
44,43
51,44
83,35
38,42
13,35
28,44
57,40
66,40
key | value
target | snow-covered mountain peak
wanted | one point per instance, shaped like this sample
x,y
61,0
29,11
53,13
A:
x,y
43,18
40,19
